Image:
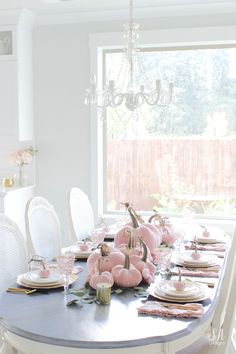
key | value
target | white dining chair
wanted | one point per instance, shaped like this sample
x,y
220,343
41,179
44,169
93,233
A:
x,y
13,261
43,229
221,324
80,214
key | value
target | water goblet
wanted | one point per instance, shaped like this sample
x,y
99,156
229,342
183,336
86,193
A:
x,y
179,232
97,237
65,263
162,259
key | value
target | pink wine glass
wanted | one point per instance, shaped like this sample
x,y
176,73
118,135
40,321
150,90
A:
x,y
65,263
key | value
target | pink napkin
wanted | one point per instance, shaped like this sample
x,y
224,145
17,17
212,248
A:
x,y
220,247
77,270
164,309
211,272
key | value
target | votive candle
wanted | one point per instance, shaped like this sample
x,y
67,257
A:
x,y
103,291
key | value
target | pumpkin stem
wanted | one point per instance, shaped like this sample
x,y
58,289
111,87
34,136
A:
x,y
131,239
137,216
143,244
162,220
127,258
99,266
133,218
127,261
104,248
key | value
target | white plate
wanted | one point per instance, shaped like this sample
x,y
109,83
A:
x,y
215,235
197,265
207,240
186,257
77,252
201,295
191,289
160,297
22,282
33,277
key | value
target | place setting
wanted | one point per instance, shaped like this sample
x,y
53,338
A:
x,y
175,298
196,259
81,249
179,290
61,275
209,235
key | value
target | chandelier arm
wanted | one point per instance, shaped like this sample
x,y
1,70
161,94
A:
x,y
111,96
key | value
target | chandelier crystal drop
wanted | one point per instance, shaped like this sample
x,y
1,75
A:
x,y
114,95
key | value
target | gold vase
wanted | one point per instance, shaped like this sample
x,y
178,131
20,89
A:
x,y
8,182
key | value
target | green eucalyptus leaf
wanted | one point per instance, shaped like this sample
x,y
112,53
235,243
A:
x,y
141,294
77,292
72,302
90,300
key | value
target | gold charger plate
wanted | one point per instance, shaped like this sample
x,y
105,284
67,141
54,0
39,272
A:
x,y
20,281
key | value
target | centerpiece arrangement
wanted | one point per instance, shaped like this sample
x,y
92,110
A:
x,y
131,261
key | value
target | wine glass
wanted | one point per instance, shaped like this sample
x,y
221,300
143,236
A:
x,y
179,233
97,237
162,259
65,263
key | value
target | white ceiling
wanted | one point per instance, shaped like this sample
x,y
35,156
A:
x,y
118,9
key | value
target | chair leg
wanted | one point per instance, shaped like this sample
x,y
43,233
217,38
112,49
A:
x,y
168,349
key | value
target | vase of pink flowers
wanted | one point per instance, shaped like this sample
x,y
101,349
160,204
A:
x,y
21,158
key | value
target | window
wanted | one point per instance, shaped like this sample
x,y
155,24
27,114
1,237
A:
x,y
185,154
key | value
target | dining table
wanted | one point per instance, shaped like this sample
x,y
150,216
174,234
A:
x,y
45,317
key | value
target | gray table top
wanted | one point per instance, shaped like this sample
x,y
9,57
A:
x,y
46,318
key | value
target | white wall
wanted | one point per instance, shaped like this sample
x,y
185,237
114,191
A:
x,y
62,121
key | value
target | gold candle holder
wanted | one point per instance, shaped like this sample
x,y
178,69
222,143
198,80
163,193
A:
x,y
103,291
8,182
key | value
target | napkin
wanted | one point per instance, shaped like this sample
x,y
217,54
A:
x,y
155,308
219,247
211,272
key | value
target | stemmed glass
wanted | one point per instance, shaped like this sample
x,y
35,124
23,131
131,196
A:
x,y
179,231
65,263
97,237
162,259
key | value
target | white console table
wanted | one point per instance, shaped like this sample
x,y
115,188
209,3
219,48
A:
x,y
13,202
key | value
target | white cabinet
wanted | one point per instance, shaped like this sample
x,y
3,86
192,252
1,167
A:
x,y
13,202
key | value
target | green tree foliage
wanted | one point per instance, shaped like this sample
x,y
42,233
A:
x,y
203,87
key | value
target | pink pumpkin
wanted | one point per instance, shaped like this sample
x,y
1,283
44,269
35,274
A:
x,y
164,227
109,258
127,275
143,232
148,276
100,277
141,262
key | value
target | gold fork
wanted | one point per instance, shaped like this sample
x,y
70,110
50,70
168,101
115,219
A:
x,y
21,291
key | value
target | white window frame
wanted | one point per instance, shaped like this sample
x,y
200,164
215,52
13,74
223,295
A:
x,y
163,38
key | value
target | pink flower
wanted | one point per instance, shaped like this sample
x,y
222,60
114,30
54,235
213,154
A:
x,y
23,156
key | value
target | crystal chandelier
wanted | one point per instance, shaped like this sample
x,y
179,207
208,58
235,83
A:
x,y
114,96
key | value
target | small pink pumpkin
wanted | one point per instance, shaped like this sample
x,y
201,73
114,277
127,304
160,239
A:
x,y
44,273
100,277
127,275
84,247
109,258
